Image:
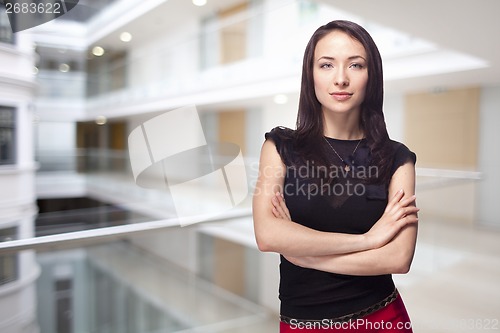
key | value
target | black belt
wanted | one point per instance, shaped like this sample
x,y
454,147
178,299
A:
x,y
352,316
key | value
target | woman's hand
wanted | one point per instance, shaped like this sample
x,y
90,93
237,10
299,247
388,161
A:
x,y
280,210
398,213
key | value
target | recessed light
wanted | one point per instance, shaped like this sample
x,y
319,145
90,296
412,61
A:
x,y
199,3
125,37
64,68
98,51
280,99
101,120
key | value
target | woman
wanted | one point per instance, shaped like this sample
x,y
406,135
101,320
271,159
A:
x,y
349,221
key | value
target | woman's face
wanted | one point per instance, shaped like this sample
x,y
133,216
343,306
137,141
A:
x,y
340,73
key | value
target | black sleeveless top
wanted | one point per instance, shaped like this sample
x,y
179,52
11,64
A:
x,y
332,199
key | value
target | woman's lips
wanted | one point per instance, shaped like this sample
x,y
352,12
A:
x,y
341,96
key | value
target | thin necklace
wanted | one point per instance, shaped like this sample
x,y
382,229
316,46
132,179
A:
x,y
347,167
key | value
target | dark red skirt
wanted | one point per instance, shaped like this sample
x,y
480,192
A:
x,y
392,318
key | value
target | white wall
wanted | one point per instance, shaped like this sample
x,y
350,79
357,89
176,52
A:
x,y
18,60
17,197
170,56
56,136
278,115
394,110
253,132
288,26
488,189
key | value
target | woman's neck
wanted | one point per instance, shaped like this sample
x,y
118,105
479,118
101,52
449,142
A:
x,y
342,126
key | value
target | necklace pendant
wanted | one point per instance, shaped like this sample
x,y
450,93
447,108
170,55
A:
x,y
347,168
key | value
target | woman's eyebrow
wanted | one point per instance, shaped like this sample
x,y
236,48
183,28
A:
x,y
333,58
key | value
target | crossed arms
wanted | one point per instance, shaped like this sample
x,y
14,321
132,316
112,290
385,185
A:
x,y
387,248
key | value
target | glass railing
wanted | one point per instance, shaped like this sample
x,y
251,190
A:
x,y
57,85
118,288
104,181
83,160
107,175
73,220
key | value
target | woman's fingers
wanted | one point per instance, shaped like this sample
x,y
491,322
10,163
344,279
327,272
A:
x,y
399,212
276,206
394,200
283,206
395,207
280,210
408,201
409,219
405,215
276,213
409,215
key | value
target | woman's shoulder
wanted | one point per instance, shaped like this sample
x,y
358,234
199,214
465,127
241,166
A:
x,y
280,133
401,154
283,138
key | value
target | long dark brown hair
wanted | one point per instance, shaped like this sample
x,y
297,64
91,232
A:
x,y
310,128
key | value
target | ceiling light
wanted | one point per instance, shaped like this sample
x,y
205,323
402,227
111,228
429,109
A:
x,y
280,99
199,2
101,120
64,68
98,51
125,37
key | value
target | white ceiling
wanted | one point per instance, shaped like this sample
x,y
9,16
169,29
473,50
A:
x,y
167,15
469,27
466,27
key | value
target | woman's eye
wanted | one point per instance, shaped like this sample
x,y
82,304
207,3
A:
x,y
357,66
327,65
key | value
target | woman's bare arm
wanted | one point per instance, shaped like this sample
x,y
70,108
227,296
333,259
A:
x,y
275,234
392,258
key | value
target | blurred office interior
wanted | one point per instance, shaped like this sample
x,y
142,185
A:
x,y
84,249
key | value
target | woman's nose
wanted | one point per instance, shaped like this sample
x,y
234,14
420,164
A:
x,y
341,78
